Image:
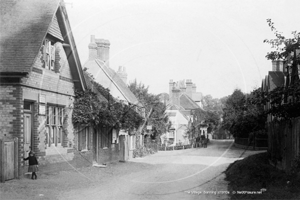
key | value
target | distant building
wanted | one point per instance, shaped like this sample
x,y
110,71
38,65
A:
x,y
182,90
185,109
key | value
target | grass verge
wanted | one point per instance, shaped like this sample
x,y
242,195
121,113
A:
x,y
247,177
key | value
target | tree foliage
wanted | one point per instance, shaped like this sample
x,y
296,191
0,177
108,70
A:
x,y
90,110
214,110
242,113
284,100
157,119
282,46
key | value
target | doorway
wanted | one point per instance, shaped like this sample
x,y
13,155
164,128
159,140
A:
x,y
27,128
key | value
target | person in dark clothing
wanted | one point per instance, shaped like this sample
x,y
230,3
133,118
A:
x,y
33,165
197,141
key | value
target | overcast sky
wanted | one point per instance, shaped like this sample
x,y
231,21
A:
x,y
217,44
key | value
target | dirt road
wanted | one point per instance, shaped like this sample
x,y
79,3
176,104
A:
x,y
181,174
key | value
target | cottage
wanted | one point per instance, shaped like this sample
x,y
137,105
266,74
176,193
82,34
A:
x,y
39,72
98,66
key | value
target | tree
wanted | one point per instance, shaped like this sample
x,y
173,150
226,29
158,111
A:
x,y
288,51
243,113
214,110
157,119
233,109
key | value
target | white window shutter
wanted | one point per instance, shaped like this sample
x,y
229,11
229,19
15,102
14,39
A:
x,y
52,53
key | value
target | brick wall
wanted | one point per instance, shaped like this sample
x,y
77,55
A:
x,y
11,114
58,88
59,80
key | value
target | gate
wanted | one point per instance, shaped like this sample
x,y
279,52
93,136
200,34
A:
x,y
8,159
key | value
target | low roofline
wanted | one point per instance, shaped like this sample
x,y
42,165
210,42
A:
x,y
112,80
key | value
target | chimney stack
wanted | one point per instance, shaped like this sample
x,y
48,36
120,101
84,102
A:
x,y
176,96
103,50
194,88
171,85
189,87
92,48
122,74
99,49
278,65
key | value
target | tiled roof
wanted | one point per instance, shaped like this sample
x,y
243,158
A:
x,y
187,103
54,29
276,79
197,96
24,25
89,84
113,76
173,107
185,112
171,114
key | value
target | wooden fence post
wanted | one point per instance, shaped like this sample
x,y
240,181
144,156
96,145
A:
x,y
2,175
16,158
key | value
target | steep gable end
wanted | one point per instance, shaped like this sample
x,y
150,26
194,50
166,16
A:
x,y
24,25
187,103
54,29
276,79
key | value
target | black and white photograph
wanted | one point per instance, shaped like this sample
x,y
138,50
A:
x,y
149,99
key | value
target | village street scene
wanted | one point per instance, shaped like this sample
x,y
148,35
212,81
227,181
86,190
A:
x,y
149,99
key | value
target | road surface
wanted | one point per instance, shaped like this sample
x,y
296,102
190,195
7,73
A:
x,y
182,174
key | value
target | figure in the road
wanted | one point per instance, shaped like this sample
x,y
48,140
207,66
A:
x,y
33,164
203,141
197,141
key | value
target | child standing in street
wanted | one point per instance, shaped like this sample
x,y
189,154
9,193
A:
x,y
33,165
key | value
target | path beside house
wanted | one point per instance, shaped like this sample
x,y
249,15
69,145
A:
x,y
182,174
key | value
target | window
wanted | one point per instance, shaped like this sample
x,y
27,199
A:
x,y
115,137
48,55
54,125
83,138
27,106
171,134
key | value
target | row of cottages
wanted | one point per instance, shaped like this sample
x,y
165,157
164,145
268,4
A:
x,y
283,136
184,109
98,65
40,71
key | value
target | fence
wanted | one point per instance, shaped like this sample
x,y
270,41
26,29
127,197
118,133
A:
x,y
172,148
9,166
256,144
284,142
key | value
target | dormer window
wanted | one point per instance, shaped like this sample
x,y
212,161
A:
x,y
48,55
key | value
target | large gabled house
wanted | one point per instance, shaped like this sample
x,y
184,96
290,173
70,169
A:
x,y
39,72
184,107
177,133
98,66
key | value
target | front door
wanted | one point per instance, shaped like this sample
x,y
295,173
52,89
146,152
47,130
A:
x,y
27,133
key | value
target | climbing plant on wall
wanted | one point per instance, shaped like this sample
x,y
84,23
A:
x,y
96,107
285,100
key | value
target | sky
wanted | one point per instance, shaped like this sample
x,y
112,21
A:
x,y
216,43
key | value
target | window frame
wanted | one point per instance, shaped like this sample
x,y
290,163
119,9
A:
x,y
49,54
54,128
